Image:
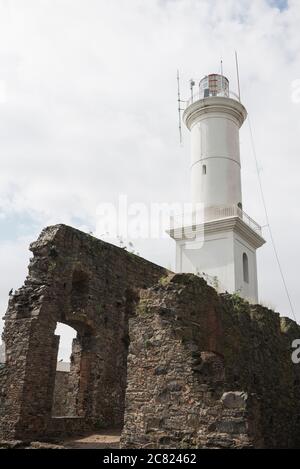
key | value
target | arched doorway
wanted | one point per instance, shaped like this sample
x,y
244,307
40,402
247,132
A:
x,y
73,377
61,397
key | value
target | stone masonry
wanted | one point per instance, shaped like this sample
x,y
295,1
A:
x,y
209,371
160,354
89,285
61,406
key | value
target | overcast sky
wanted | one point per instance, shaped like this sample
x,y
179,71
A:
x,y
88,111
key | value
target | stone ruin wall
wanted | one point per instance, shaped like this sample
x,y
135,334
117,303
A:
x,y
61,399
203,370
89,285
209,371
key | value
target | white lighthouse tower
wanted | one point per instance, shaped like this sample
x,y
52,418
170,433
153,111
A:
x,y
223,245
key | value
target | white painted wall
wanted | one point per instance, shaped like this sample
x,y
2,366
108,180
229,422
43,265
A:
x,y
215,144
248,290
221,256
214,257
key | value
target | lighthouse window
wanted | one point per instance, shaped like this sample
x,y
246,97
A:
x,y
204,169
245,268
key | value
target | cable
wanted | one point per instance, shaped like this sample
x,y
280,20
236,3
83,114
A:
x,y
268,222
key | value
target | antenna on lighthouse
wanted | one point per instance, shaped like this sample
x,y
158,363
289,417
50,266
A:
x,y
222,75
237,74
179,108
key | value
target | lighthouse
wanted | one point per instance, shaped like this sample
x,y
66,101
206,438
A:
x,y
224,241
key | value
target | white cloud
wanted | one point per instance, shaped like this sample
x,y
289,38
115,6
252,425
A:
x,y
90,110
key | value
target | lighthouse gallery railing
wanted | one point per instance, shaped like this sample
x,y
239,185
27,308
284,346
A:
x,y
211,94
216,213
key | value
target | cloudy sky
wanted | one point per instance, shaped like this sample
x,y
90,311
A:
x,y
88,111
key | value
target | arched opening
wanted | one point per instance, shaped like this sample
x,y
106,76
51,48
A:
x,y
204,169
245,268
74,365
62,400
73,340
66,334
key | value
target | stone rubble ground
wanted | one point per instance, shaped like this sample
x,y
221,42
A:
x,y
106,439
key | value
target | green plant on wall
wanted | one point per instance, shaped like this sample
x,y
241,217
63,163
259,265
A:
x,y
215,282
236,299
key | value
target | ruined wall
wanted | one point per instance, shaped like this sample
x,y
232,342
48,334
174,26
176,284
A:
x,y
209,371
61,402
89,285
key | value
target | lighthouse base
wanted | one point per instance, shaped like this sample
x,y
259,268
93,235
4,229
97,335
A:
x,y
223,252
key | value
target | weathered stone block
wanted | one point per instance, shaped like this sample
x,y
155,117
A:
x,y
234,399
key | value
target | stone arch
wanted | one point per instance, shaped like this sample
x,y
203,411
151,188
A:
x,y
80,378
61,397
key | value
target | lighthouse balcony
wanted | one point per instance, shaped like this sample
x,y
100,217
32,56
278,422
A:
x,y
216,213
209,214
